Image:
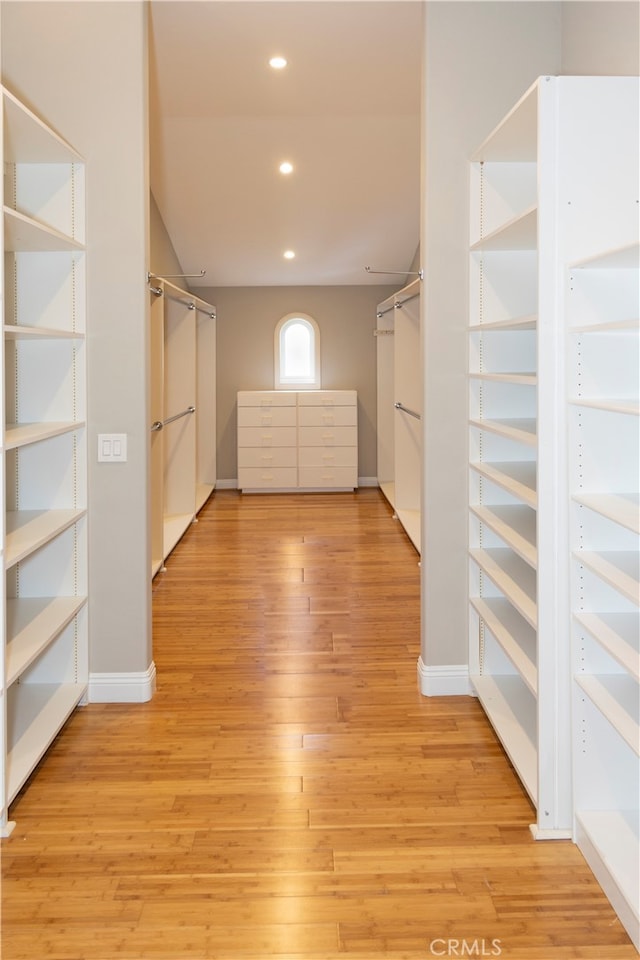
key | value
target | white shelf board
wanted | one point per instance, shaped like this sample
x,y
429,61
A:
x,y
173,529
28,140
515,138
610,843
21,434
519,233
22,234
614,326
14,331
518,477
623,258
622,508
203,492
612,405
617,568
513,577
515,525
618,634
616,697
510,323
28,530
410,520
388,489
515,637
521,430
525,379
32,624
513,717
37,714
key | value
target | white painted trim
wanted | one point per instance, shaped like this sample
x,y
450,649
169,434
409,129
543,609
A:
x,y
447,681
122,687
368,482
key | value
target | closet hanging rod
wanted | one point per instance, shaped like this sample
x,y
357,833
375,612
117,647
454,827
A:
x,y
400,303
412,413
208,313
399,273
159,424
176,276
381,313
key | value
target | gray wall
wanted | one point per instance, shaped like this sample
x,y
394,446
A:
x,y
247,317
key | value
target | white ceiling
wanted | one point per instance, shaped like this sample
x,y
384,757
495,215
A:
x,y
345,112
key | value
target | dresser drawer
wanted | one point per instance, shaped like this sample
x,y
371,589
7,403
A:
x,y
328,457
328,416
267,437
327,398
266,398
267,457
327,477
327,436
267,416
264,478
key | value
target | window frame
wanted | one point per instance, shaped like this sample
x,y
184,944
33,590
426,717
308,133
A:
x,y
282,383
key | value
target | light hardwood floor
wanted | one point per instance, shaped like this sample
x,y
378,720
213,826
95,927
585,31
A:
x,y
288,793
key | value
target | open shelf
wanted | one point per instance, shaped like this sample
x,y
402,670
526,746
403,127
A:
x,y
519,233
616,697
618,568
15,332
520,430
515,525
511,710
25,235
610,843
517,639
21,434
621,508
33,720
32,624
516,477
512,576
618,634
28,530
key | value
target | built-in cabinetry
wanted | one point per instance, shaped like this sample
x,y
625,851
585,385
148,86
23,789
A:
x,y
603,299
399,405
553,486
182,401
44,457
290,440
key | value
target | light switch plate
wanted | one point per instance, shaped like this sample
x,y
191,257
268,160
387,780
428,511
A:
x,y
112,447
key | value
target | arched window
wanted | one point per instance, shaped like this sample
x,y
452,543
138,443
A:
x,y
297,353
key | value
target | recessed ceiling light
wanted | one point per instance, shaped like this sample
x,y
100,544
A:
x,y
286,167
289,254
277,63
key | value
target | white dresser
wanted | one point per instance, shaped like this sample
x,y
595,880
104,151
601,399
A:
x,y
289,440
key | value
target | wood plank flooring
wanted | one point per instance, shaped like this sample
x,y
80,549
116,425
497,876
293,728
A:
x,y
288,793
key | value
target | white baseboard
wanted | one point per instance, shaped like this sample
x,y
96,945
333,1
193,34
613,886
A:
x,y
122,687
226,484
233,484
448,681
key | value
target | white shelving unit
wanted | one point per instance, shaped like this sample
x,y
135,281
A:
x,y
182,400
553,518
44,540
515,659
399,373
603,311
